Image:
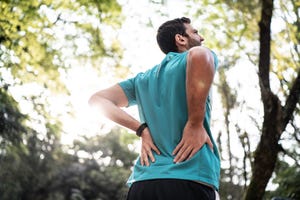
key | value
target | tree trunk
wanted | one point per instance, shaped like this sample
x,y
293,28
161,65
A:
x,y
266,153
276,117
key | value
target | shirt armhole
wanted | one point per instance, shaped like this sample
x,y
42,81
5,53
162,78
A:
x,y
129,90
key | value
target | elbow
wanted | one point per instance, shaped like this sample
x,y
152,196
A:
x,y
106,97
96,104
100,99
94,99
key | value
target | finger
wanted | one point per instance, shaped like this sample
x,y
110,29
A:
x,y
184,155
181,154
178,154
146,161
177,148
146,154
155,149
142,160
194,151
150,155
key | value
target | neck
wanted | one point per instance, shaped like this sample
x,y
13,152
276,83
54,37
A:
x,y
182,49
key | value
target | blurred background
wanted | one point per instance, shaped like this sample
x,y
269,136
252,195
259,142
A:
x,y
54,54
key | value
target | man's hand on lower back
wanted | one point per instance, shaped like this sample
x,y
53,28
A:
x,y
147,147
192,140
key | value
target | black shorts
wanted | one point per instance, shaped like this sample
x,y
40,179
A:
x,y
170,189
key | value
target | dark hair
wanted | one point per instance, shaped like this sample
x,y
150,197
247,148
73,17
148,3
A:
x,y
166,34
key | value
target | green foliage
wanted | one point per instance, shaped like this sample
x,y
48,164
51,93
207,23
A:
x,y
33,53
285,51
287,180
229,190
38,38
27,168
97,169
30,46
25,45
233,24
231,29
109,146
11,121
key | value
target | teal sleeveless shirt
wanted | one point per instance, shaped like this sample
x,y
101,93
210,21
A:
x,y
160,94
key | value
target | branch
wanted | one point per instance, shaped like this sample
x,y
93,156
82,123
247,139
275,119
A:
x,y
291,102
264,52
238,42
288,30
297,131
59,18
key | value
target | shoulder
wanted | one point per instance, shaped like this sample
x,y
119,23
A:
x,y
142,77
201,55
200,51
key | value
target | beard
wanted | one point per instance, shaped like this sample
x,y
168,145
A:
x,y
194,43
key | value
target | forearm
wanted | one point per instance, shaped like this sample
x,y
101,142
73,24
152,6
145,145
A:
x,y
108,102
115,113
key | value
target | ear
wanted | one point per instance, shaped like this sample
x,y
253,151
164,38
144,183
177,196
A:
x,y
180,40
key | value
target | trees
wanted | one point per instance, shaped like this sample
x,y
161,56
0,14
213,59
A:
x,y
95,168
246,38
287,178
37,41
240,38
276,115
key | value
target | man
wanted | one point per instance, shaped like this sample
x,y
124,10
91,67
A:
x,y
179,158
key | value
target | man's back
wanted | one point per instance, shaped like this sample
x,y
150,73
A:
x,y
160,94
174,107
